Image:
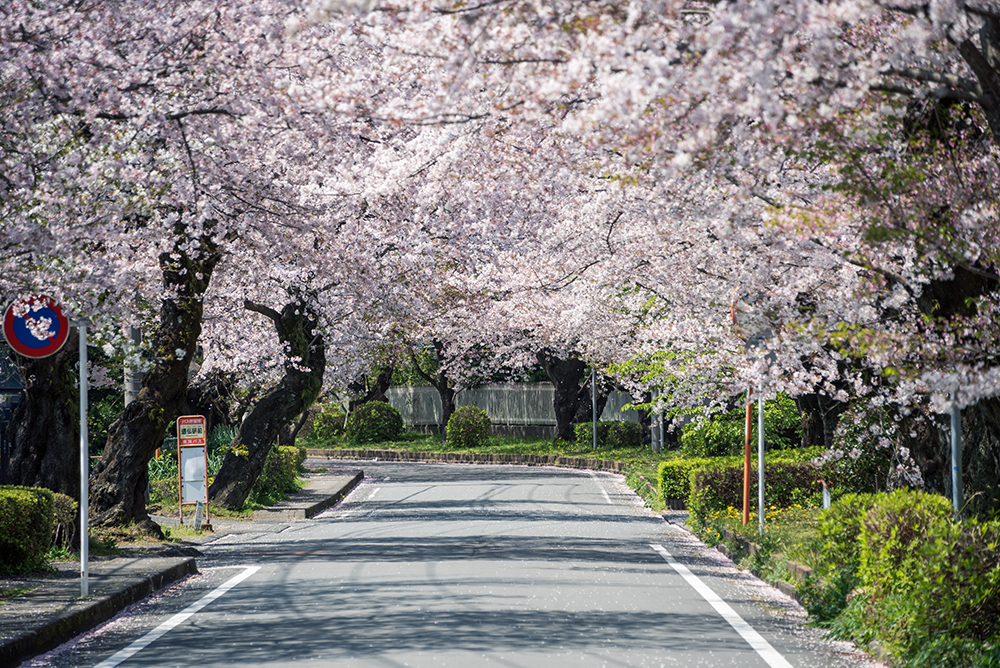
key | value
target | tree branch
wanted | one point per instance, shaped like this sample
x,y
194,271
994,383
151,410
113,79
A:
x,y
263,310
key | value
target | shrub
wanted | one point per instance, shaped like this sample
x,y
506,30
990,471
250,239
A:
x,y
719,485
63,515
26,515
675,476
863,449
725,433
468,427
614,434
374,422
328,423
279,476
929,587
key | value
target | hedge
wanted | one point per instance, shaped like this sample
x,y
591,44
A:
x,y
927,589
719,485
613,434
374,422
468,427
674,475
279,476
26,519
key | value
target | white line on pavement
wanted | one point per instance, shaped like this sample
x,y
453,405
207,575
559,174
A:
x,y
754,639
175,621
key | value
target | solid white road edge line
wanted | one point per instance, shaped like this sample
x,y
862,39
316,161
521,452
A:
x,y
754,639
607,498
175,621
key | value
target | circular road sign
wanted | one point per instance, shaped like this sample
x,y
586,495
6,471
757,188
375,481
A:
x,y
35,327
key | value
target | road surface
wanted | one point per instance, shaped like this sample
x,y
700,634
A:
x,y
463,565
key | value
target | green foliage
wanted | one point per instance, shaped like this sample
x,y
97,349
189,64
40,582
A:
x,y
614,434
719,485
675,476
468,427
279,477
725,434
26,520
898,570
328,422
63,515
374,422
861,437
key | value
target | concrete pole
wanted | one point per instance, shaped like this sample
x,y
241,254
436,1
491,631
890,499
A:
x,y
957,500
84,467
760,459
593,402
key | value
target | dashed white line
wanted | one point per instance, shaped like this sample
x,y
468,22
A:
x,y
175,621
754,639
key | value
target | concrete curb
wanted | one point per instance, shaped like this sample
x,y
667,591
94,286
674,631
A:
x,y
83,615
464,458
300,512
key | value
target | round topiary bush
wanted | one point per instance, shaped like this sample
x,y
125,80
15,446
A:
x,y
374,422
468,427
328,423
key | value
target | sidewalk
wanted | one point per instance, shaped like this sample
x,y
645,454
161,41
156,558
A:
x,y
52,612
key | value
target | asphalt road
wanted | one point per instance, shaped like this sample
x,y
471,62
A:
x,y
458,566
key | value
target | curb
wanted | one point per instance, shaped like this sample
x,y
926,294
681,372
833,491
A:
x,y
82,616
307,512
464,458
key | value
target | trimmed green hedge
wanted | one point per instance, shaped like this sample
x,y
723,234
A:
x,y
926,588
719,485
468,427
613,434
674,475
374,422
328,423
26,520
281,470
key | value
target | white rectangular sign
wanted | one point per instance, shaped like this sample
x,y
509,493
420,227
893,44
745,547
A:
x,y
194,481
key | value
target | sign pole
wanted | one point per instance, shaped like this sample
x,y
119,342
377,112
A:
x,y
84,466
760,458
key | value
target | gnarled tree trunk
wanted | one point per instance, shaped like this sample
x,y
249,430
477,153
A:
x,y
296,391
118,490
566,375
442,384
45,426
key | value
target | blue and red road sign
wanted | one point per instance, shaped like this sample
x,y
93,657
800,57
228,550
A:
x,y
35,327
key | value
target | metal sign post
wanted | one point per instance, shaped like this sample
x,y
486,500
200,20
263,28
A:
x,y
84,466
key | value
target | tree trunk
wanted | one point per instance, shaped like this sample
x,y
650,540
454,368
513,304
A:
x,y
118,491
376,392
45,428
442,384
820,416
288,433
565,375
297,390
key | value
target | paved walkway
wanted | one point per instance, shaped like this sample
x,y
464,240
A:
x,y
52,611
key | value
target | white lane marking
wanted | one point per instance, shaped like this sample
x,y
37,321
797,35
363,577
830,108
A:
x,y
175,621
593,476
754,639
